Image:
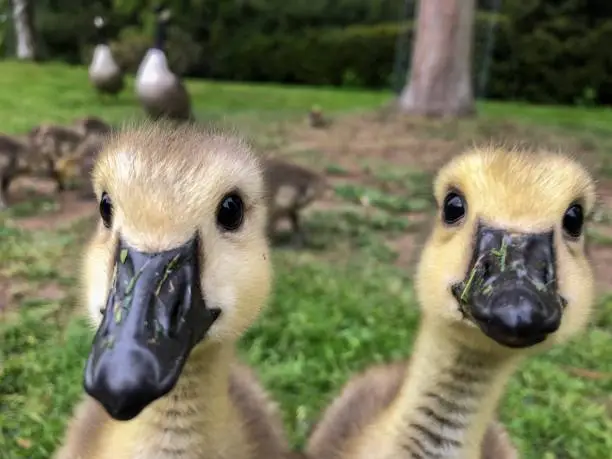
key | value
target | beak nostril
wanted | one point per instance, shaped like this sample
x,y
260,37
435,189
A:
x,y
544,273
174,317
487,267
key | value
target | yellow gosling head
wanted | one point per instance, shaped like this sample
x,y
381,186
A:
x,y
179,259
505,264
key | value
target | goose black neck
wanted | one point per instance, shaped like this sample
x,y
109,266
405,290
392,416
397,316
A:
x,y
160,34
101,35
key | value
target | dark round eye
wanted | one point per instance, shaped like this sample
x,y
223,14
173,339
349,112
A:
x,y
573,220
454,208
106,210
230,213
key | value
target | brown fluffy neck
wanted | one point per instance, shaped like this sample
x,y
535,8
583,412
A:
x,y
194,420
449,396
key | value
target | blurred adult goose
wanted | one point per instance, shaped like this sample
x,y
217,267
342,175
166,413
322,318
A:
x,y
104,73
161,92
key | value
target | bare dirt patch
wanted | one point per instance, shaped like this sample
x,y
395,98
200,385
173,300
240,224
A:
x,y
4,294
601,251
408,246
71,208
601,256
50,291
425,144
352,140
604,195
24,187
15,290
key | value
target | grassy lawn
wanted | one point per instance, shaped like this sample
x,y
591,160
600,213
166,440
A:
x,y
341,305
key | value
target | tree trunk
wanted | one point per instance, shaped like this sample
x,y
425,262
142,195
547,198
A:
x,y
23,20
440,77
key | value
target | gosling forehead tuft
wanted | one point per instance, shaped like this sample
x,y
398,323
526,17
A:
x,y
159,171
504,185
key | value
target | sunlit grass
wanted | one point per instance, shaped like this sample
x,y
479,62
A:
x,y
327,318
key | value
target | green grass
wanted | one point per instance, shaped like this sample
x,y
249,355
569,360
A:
x,y
592,119
57,93
32,93
328,317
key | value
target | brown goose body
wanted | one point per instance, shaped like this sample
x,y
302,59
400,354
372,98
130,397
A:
x,y
290,188
23,156
92,125
55,141
15,155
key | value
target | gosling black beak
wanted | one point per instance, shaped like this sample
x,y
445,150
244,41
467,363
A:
x,y
510,290
155,315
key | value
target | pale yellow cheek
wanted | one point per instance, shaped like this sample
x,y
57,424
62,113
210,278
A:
x,y
96,293
438,270
576,285
238,283
96,280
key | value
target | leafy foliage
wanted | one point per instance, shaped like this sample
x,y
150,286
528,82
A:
x,y
542,51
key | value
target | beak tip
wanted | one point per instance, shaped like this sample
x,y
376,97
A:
x,y
125,388
516,318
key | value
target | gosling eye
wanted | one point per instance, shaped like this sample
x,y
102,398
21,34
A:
x,y
573,221
453,208
230,213
106,210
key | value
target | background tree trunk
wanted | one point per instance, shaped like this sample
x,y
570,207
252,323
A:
x,y
440,75
23,20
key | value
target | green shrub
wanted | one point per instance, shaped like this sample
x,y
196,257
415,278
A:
x,y
130,47
543,52
362,55
355,55
559,62
62,42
